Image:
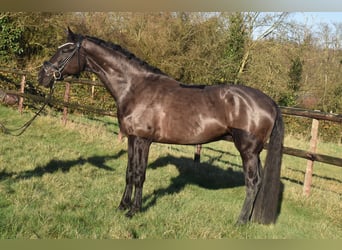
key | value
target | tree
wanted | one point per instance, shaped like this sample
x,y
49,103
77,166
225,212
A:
x,y
10,38
295,74
259,26
289,97
235,46
26,37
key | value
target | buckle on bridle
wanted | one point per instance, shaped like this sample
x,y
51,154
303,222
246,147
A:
x,y
57,75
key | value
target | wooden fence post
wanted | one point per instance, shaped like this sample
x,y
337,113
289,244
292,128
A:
x,y
22,89
120,136
93,88
309,165
92,91
66,99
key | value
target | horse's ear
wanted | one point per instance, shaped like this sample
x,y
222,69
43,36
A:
x,y
71,36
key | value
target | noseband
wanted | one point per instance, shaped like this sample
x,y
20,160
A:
x,y
57,70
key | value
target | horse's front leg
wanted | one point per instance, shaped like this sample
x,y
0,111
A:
x,y
140,151
126,198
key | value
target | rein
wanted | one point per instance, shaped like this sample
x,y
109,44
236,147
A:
x,y
23,128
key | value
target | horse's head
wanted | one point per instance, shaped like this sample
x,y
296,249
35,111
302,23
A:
x,y
65,62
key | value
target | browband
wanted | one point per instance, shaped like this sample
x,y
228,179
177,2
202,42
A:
x,y
65,44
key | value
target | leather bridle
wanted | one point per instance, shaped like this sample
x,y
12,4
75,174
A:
x,y
57,70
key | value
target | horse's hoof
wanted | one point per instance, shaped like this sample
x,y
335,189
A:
x,y
123,207
240,222
132,211
130,214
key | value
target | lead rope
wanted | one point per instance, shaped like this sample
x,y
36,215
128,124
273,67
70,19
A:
x,y
23,128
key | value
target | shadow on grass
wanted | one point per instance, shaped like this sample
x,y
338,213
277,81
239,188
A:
x,y
62,165
204,175
201,174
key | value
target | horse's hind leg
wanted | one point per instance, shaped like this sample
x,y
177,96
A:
x,y
249,148
253,179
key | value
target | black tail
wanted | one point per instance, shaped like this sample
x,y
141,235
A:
x,y
266,203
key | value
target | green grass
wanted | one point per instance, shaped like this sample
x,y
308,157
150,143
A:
x,y
66,182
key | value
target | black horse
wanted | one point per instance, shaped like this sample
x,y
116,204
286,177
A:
x,y
153,107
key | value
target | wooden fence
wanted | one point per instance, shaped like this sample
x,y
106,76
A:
x,y
310,155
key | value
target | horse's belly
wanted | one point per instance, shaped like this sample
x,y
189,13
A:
x,y
196,132
187,127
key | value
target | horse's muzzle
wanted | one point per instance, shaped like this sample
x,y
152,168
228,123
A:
x,y
45,79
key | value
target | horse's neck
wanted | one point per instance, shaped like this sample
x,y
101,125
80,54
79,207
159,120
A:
x,y
115,72
118,73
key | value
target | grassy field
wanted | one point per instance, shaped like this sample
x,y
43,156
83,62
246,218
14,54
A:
x,y
66,182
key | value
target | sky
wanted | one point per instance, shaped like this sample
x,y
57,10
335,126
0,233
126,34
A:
x,y
313,21
314,18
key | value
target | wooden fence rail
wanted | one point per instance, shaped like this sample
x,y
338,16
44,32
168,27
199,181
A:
x,y
61,103
311,114
15,71
307,155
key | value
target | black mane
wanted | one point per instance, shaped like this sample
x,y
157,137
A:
x,y
127,54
